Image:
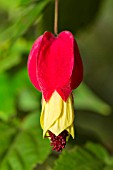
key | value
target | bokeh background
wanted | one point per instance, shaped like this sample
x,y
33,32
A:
x,y
21,144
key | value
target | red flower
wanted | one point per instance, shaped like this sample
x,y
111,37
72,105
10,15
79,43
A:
x,y
55,68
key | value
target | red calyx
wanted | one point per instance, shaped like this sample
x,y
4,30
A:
x,y
54,64
58,142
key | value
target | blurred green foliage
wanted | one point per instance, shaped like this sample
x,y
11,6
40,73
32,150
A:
x,y
21,143
91,156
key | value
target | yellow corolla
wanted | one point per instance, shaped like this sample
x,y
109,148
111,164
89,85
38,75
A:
x,y
57,115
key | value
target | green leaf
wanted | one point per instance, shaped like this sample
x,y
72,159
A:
x,y
81,158
99,152
21,81
78,159
28,2
9,56
27,148
12,56
110,167
17,90
9,5
85,99
7,107
28,97
28,16
6,133
28,101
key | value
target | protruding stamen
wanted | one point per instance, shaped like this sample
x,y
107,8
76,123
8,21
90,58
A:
x,y
58,142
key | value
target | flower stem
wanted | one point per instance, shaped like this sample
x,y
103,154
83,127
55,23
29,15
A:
x,y
56,18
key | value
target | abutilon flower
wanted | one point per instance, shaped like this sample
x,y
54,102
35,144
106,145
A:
x,y
55,68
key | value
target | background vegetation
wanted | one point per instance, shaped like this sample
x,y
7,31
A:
x,y
21,144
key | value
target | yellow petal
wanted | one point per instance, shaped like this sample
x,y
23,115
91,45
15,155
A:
x,y
66,118
70,130
57,115
51,110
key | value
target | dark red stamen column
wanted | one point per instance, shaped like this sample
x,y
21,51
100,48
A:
x,y
58,142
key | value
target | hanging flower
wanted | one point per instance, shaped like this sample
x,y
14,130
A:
x,y
55,68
